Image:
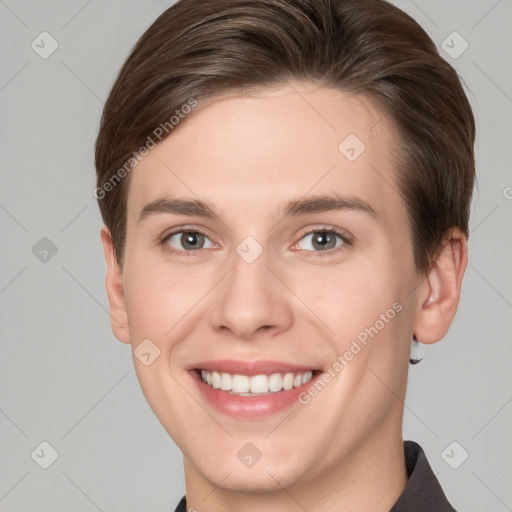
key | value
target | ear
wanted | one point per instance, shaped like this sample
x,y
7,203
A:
x,y
440,292
115,289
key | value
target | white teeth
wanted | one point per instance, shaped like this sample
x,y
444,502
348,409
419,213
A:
x,y
244,385
306,376
288,381
225,382
215,379
275,382
240,383
259,384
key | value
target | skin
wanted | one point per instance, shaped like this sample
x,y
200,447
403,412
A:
x,y
249,155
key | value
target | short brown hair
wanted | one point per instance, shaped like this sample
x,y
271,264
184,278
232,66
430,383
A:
x,y
202,48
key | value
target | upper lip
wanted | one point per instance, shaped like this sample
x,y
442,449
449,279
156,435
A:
x,y
250,367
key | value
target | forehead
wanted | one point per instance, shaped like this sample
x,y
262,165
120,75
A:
x,y
256,152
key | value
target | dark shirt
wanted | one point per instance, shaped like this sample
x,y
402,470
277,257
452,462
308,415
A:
x,y
422,492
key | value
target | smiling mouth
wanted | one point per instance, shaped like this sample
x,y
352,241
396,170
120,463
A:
x,y
255,385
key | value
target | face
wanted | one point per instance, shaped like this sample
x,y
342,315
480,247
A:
x,y
288,273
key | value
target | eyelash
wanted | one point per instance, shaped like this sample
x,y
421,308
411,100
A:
x,y
322,254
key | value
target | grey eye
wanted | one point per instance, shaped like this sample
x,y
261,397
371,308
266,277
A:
x,y
322,240
189,240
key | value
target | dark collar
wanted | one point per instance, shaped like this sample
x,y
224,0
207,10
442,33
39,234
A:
x,y
422,492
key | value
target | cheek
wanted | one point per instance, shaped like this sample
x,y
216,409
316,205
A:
x,y
350,298
374,333
158,297
369,312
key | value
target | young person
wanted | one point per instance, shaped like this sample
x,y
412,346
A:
x,y
285,187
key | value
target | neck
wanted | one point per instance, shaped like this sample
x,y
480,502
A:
x,y
371,477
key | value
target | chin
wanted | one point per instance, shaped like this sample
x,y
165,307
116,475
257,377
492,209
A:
x,y
256,481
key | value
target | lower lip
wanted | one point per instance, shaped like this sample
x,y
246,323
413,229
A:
x,y
250,407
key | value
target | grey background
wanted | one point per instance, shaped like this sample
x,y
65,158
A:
x,y
66,380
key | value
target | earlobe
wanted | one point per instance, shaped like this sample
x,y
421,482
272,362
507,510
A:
x,y
115,289
441,289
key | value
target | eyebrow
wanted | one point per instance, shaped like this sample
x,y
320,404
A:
x,y
297,207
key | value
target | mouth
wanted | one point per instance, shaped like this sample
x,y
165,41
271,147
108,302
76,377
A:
x,y
249,390
255,385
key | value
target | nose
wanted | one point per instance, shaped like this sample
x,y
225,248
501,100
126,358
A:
x,y
252,301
